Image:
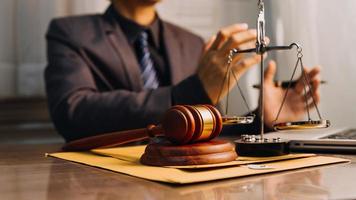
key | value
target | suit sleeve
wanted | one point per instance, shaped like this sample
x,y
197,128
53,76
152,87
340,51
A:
x,y
78,109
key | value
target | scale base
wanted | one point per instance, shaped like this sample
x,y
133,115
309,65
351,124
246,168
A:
x,y
254,146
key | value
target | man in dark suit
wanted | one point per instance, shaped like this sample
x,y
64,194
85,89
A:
x,y
123,69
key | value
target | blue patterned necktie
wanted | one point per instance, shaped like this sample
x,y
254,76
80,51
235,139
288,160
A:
x,y
148,75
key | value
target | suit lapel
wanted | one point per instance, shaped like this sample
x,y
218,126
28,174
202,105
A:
x,y
126,56
174,55
124,51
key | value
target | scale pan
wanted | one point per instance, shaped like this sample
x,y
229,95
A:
x,y
302,125
233,120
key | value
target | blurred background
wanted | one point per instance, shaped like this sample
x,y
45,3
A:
x,y
323,27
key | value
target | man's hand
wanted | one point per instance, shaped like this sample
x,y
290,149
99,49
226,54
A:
x,y
294,107
213,64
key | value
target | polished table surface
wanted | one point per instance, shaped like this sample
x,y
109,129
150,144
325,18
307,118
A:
x,y
25,173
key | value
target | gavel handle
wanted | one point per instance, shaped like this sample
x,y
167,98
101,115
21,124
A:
x,y
113,139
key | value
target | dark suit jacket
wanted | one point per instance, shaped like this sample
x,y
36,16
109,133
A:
x,y
93,79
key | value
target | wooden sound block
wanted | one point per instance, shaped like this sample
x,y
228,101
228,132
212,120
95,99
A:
x,y
167,154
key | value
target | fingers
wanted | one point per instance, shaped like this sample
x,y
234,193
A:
x,y
225,33
314,72
247,45
245,64
316,97
238,39
267,40
270,71
209,43
313,75
314,92
240,56
299,87
251,44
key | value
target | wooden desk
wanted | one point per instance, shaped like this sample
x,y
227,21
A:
x,y
25,173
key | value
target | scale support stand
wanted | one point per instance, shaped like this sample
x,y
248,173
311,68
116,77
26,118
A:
x,y
257,146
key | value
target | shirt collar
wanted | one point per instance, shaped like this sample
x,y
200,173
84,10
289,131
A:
x,y
132,29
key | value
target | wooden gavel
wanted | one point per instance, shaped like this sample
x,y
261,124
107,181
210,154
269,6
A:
x,y
181,124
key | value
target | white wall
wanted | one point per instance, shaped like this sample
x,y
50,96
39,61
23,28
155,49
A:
x,y
22,54
325,28
33,17
7,51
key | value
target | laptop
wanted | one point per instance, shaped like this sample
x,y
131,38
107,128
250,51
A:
x,y
341,140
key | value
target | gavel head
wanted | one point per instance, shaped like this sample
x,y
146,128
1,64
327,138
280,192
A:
x,y
189,124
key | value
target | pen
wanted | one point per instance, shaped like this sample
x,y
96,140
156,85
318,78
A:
x,y
284,84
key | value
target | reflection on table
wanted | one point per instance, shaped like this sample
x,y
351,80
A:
x,y
27,174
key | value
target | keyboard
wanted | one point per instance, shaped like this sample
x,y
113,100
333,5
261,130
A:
x,y
344,135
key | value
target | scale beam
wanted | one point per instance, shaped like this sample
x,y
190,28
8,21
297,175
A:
x,y
267,49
